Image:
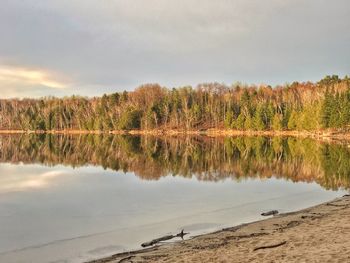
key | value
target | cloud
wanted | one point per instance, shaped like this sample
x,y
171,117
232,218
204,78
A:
x,y
106,46
23,76
21,81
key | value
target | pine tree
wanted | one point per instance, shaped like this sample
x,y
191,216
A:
x,y
239,123
258,121
249,124
293,120
277,124
326,109
228,119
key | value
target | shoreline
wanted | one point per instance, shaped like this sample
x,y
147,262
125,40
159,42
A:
x,y
320,233
326,134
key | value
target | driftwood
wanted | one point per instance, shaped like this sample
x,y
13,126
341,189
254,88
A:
x,y
270,213
164,238
125,259
330,204
270,246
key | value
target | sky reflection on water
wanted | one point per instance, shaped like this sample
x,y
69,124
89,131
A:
x,y
61,214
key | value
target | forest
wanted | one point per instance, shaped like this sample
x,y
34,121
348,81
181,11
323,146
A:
x,y
297,106
205,158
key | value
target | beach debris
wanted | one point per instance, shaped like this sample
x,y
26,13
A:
x,y
181,234
126,259
164,238
270,213
271,246
330,204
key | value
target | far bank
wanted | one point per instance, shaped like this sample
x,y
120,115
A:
x,y
325,134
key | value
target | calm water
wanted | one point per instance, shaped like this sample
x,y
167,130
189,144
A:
x,y
74,198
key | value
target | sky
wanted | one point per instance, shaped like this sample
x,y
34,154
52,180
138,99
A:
x,y
91,47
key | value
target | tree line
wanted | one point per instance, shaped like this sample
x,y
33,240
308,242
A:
x,y
202,157
297,106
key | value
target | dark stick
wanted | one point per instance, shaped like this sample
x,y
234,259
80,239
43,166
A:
x,y
270,246
157,240
125,259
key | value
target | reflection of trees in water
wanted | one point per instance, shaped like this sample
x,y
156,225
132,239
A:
x,y
207,159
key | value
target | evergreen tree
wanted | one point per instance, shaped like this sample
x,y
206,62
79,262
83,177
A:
x,y
228,119
277,123
239,123
293,120
258,121
249,123
326,109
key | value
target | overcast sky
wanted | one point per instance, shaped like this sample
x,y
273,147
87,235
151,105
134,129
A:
x,y
91,47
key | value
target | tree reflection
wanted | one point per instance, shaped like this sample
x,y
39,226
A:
x,y
205,158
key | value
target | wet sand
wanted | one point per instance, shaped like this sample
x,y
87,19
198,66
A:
x,y
317,234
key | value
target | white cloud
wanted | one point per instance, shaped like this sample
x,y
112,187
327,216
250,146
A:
x,y
24,76
119,44
21,81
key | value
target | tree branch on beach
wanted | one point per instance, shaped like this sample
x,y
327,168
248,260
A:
x,y
164,238
271,246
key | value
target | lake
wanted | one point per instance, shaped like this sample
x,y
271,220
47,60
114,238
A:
x,y
72,198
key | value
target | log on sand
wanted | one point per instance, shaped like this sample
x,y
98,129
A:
x,y
270,213
271,246
164,238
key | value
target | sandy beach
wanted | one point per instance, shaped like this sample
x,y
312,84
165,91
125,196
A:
x,y
316,234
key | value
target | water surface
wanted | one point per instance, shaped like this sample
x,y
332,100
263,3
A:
x,y
74,198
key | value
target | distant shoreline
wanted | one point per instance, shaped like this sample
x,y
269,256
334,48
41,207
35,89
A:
x,y
330,134
317,233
